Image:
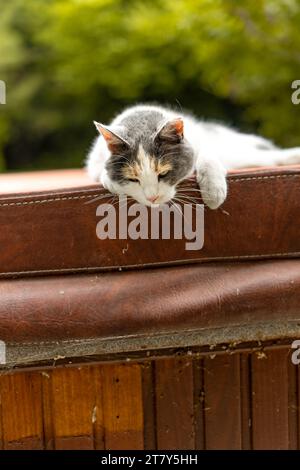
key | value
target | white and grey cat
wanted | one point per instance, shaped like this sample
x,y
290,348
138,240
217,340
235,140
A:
x,y
147,150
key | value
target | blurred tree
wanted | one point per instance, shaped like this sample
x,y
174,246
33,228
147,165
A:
x,y
67,62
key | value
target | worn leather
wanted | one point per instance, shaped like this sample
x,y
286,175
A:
x,y
54,231
150,302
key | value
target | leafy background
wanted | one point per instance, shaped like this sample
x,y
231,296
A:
x,y
67,62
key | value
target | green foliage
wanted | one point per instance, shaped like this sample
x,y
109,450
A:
x,y
67,62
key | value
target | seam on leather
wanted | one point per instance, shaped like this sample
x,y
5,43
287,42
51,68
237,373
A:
x,y
85,196
266,177
191,261
54,199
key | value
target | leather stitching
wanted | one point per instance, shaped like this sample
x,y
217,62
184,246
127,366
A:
x,y
166,263
85,196
41,201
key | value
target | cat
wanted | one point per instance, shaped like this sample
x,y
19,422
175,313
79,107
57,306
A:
x,y
147,150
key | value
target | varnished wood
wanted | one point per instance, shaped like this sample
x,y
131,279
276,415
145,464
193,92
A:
x,y
228,401
122,407
222,384
270,400
22,416
73,406
149,405
174,404
199,412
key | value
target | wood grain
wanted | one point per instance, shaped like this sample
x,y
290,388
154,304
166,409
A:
x,y
149,404
293,406
98,416
246,398
73,407
174,404
48,424
270,400
22,417
228,401
122,407
222,402
199,394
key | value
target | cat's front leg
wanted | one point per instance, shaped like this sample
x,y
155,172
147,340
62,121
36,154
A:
x,y
211,177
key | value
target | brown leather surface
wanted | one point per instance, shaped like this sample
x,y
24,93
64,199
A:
x,y
54,231
111,305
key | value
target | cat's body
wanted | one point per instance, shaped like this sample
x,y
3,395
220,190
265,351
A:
x,y
148,150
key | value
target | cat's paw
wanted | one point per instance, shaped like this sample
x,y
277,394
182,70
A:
x,y
214,195
213,187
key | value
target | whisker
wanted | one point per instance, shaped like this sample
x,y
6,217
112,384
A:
x,y
187,200
183,197
100,197
178,209
189,189
199,191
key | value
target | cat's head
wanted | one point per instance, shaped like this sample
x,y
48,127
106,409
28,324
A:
x,y
147,165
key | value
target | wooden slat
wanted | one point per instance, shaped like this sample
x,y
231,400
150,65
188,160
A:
x,y
222,402
21,398
199,404
122,407
1,419
246,413
73,408
270,400
293,407
47,410
98,418
174,404
297,367
149,406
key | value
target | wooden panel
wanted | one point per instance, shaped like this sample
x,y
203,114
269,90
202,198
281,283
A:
x,y
246,396
226,402
149,406
293,407
222,402
47,410
297,367
98,418
73,408
199,394
270,400
174,404
122,407
21,398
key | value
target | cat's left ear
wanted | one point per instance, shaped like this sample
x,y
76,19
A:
x,y
172,131
114,142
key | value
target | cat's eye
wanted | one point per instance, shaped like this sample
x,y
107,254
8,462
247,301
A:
x,y
133,180
163,175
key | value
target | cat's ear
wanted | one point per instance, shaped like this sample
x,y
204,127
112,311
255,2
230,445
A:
x,y
172,131
114,142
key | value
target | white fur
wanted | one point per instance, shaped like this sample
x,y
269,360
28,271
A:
x,y
216,149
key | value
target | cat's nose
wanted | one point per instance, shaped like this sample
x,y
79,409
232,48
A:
x,y
152,198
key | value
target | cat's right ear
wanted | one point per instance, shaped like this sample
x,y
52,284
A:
x,y
171,131
114,142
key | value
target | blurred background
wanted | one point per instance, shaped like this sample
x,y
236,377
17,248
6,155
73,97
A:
x,y
68,62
